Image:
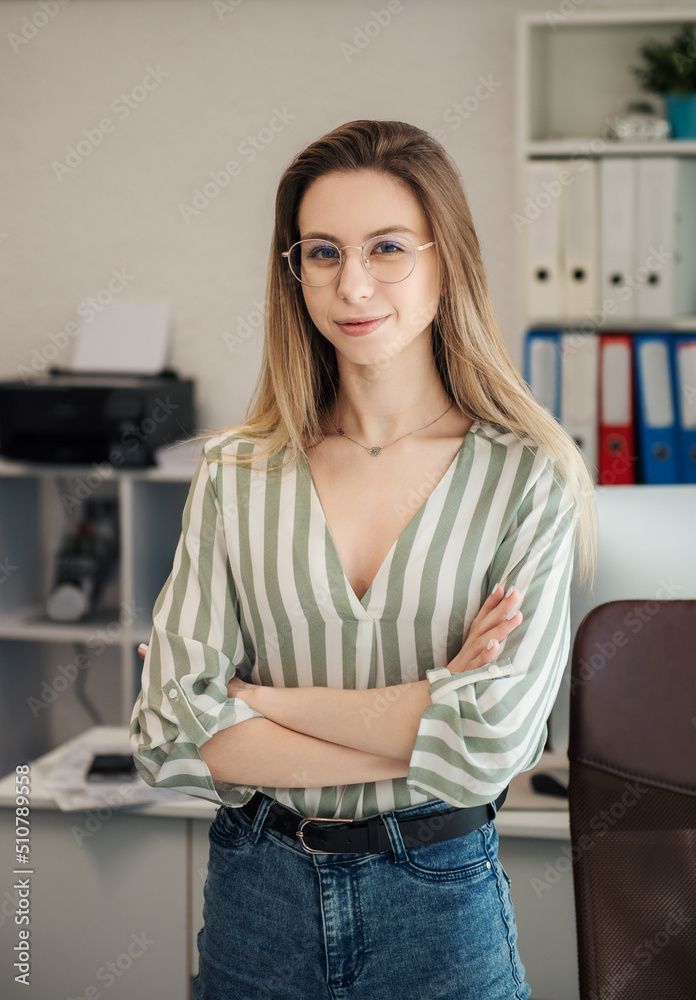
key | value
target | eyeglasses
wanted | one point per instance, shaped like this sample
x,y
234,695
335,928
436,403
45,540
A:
x,y
387,258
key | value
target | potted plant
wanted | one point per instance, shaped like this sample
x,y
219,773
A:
x,y
670,71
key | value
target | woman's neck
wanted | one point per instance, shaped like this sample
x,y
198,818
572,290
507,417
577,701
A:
x,y
376,410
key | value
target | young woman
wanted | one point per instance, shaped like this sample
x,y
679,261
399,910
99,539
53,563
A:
x,y
367,619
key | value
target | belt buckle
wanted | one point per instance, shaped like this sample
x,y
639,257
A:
x,y
299,832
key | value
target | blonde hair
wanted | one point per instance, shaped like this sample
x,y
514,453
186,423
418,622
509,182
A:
x,y
299,373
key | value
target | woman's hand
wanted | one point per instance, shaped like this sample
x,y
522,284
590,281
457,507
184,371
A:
x,y
490,625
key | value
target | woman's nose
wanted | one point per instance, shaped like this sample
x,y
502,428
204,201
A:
x,y
354,282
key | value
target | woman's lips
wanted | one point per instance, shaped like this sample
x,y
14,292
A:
x,y
360,328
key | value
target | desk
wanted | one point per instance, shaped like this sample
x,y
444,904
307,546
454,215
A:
x,y
115,913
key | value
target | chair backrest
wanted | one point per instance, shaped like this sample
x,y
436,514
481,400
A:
x,y
632,799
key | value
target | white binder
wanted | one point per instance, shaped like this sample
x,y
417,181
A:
x,y
545,298
580,212
666,236
618,201
579,387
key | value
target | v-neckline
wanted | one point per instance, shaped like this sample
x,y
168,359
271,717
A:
x,y
364,601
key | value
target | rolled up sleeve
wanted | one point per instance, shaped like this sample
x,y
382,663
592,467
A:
x,y
484,726
196,646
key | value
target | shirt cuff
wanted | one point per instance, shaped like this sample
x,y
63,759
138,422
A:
x,y
220,716
444,682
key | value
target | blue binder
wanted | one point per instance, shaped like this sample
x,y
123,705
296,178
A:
x,y
656,424
684,371
542,367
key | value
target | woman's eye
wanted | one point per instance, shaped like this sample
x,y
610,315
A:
x,y
323,253
388,248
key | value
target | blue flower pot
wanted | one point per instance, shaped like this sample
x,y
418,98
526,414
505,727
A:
x,y
681,113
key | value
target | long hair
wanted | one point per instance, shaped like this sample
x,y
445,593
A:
x,y
299,373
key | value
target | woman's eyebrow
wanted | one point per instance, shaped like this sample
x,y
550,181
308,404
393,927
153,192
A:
x,y
384,231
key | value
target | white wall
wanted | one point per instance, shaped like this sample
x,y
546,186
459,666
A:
x,y
226,72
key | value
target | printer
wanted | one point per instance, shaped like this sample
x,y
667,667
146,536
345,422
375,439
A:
x,y
84,418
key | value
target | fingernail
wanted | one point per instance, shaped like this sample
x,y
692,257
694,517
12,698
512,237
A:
x,y
490,645
143,645
510,614
494,589
510,591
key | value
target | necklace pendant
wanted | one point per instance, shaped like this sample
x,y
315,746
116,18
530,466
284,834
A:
x,y
374,451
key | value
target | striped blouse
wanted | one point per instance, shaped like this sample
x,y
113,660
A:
x,y
257,586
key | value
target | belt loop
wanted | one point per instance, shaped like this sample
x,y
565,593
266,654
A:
x,y
397,841
260,817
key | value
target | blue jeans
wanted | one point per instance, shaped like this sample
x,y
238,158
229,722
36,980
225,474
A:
x,y
433,922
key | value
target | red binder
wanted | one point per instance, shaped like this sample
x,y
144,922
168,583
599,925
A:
x,y
617,451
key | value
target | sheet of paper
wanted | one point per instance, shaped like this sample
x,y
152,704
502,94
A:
x,y
125,337
66,781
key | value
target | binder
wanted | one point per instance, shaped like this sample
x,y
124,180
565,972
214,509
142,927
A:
x,y
542,367
666,236
617,458
580,218
684,374
618,198
579,379
656,418
545,298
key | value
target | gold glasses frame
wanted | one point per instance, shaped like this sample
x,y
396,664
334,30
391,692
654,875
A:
x,y
365,261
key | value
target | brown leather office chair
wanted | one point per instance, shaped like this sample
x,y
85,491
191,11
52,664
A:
x,y
632,800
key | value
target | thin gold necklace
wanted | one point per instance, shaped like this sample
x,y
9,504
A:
x,y
375,450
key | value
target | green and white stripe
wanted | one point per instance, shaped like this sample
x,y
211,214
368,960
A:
x,y
257,585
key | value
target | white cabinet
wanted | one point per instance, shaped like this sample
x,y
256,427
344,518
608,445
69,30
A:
x,y
51,673
573,77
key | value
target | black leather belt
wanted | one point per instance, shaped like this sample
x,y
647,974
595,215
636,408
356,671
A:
x,y
371,835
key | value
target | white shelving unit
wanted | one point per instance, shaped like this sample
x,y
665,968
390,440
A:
x,y
37,655
573,76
